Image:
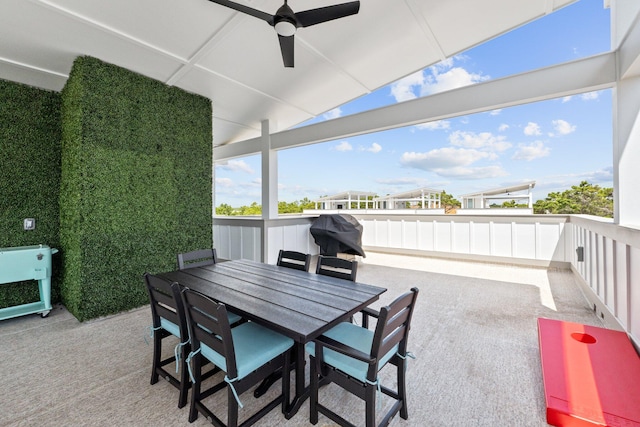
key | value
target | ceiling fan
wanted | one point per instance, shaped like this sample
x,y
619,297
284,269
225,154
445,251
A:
x,y
286,22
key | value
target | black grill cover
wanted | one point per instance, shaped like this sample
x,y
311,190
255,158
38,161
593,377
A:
x,y
337,233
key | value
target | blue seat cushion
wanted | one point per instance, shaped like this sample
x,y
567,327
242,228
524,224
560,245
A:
x,y
233,318
173,329
170,327
356,337
255,345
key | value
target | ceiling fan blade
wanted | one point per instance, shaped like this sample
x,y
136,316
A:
x,y
246,9
286,47
310,17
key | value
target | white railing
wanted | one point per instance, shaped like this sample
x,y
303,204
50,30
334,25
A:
x,y
260,240
608,268
524,239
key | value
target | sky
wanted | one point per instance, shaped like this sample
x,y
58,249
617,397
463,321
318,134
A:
x,y
556,143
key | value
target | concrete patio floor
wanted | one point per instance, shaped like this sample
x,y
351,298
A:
x,y
474,334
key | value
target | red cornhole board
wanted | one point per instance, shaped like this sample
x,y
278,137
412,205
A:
x,y
591,375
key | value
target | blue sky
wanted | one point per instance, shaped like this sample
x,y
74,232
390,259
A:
x,y
556,143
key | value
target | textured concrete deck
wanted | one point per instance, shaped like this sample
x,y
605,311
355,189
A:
x,y
474,334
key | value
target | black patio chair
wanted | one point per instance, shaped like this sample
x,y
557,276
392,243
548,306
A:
x,y
247,354
351,357
169,320
198,258
293,259
201,258
337,267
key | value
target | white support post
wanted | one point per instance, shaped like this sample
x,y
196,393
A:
x,y
626,115
269,175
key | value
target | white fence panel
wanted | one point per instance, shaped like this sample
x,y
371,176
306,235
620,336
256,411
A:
x,y
480,238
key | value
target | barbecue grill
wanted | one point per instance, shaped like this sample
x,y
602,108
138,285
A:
x,y
27,263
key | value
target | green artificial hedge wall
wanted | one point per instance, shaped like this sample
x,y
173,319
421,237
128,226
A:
x,y
136,184
29,179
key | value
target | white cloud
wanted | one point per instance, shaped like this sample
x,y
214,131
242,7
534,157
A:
x,y
403,89
531,151
224,182
235,166
332,114
503,127
416,182
452,78
482,140
438,124
439,158
532,129
472,173
343,146
374,148
437,78
562,127
495,112
589,96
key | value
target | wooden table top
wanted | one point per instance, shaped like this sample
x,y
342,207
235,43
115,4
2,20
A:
x,y
298,304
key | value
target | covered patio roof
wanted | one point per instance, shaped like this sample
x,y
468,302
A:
x,y
234,59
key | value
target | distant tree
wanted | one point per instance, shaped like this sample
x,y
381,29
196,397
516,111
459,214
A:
x,y
448,200
512,204
254,209
307,204
287,208
224,209
585,198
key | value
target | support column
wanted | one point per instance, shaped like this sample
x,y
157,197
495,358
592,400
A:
x,y
269,175
626,113
626,152
269,187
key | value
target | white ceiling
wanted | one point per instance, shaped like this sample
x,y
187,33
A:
x,y
234,59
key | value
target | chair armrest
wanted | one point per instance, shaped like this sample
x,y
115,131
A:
x,y
323,341
366,313
370,312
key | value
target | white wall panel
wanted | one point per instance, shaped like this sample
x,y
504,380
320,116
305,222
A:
x,y
368,232
481,238
594,263
548,241
501,239
277,241
382,233
634,293
394,233
442,237
525,241
461,235
607,273
410,234
622,283
426,232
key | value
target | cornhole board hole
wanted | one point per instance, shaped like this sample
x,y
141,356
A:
x,y
591,375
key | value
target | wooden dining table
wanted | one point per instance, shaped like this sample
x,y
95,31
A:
x,y
294,303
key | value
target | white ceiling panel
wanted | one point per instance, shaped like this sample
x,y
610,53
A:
x,y
32,77
51,39
234,59
397,37
176,27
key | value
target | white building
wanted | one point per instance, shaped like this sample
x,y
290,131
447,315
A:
x,y
520,193
346,200
420,198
